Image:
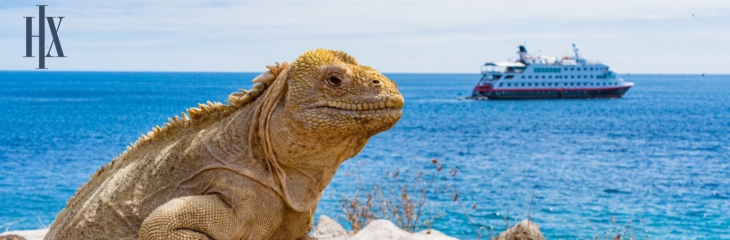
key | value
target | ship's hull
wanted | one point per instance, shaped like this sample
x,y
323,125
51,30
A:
x,y
616,92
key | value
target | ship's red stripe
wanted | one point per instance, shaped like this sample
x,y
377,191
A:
x,y
477,88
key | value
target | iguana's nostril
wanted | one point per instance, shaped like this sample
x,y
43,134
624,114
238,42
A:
x,y
376,82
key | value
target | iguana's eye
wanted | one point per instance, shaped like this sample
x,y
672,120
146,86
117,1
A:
x,y
334,81
336,75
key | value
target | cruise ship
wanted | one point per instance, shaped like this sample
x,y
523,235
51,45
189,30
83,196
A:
x,y
548,77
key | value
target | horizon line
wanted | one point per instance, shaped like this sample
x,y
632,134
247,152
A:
x,y
165,71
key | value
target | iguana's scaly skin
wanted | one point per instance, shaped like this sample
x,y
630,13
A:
x,y
252,169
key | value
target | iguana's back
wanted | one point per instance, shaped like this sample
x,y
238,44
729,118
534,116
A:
x,y
123,193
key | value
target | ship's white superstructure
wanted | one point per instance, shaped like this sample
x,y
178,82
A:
x,y
547,77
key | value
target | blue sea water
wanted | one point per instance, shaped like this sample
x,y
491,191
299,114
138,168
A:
x,y
659,157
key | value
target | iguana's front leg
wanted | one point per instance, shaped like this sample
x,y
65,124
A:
x,y
190,217
202,217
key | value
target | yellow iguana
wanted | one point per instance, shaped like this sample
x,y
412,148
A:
x,y
252,169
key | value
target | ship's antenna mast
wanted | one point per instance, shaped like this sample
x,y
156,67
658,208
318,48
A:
x,y
577,51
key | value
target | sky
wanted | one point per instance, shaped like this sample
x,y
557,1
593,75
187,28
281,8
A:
x,y
394,36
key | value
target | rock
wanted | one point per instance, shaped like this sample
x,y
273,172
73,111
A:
x,y
525,230
380,229
11,237
386,230
24,235
328,229
433,233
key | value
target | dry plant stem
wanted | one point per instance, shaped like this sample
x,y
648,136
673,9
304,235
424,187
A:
x,y
529,209
401,197
506,217
456,198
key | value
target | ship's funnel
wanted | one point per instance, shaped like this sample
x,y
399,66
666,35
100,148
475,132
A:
x,y
523,54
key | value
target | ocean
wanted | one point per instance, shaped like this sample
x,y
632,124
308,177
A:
x,y
656,161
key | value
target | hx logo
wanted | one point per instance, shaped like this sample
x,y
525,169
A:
x,y
42,37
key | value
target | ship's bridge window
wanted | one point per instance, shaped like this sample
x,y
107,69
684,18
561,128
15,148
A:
x,y
489,67
508,77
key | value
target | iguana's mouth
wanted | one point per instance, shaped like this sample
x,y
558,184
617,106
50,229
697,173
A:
x,y
394,102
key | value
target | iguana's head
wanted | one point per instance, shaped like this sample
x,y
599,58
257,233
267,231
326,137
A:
x,y
325,105
319,111
330,93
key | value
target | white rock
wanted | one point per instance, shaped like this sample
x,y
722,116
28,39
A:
x,y
328,229
386,230
29,234
433,232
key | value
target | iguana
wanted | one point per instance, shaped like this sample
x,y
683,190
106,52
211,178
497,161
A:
x,y
251,169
